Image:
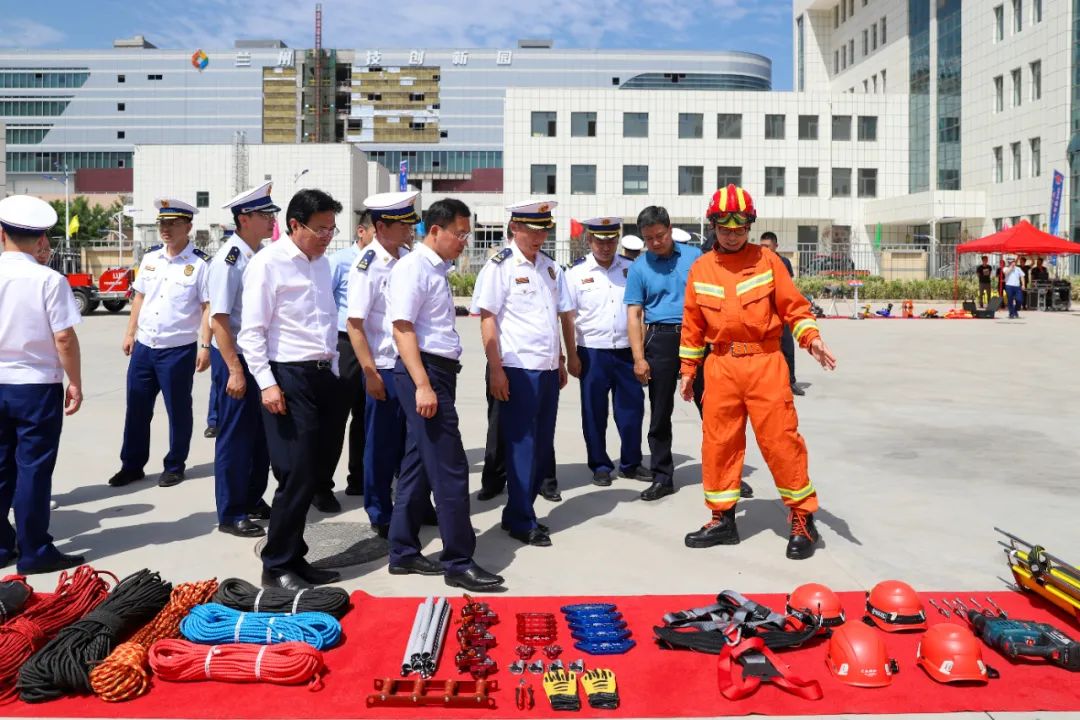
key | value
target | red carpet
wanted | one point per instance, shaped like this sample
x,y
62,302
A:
x,y
652,682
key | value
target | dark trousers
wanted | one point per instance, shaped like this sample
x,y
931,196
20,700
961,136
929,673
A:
x,y
984,294
434,463
787,346
384,430
527,424
1015,298
662,354
170,371
299,444
610,373
493,476
31,417
216,392
352,400
241,460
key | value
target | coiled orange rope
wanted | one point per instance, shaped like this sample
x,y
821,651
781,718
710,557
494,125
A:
x,y
289,663
124,674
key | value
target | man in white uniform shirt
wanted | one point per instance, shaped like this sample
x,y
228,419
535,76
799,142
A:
x,y
38,346
288,336
520,301
169,315
372,340
598,353
422,312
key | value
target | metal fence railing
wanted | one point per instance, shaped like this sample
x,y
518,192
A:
x,y
900,262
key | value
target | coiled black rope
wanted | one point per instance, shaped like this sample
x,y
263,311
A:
x,y
63,666
243,596
14,592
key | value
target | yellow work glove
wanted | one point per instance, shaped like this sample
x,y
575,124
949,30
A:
x,y
560,686
601,689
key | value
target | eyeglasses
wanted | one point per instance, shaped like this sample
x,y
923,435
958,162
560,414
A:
x,y
464,236
324,234
725,218
733,232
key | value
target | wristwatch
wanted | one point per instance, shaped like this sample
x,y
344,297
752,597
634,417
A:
x,y
203,347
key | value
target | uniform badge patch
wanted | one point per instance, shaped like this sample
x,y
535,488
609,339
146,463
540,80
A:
x,y
586,281
148,268
501,256
551,272
521,281
232,256
188,270
365,262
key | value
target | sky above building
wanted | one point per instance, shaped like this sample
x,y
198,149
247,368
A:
x,y
760,26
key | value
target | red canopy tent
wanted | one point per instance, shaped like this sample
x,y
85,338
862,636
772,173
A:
x,y
1020,239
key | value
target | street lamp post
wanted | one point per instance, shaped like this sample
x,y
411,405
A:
x,y
67,206
299,175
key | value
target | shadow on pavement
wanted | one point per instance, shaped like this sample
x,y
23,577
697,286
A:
x,y
115,540
72,523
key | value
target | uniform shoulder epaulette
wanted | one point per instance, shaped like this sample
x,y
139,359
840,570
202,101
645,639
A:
x,y
501,256
578,261
200,254
365,261
155,248
547,256
232,256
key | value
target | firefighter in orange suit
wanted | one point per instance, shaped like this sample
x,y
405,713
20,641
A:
x,y
739,296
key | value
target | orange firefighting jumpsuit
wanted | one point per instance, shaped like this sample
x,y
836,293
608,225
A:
x,y
739,303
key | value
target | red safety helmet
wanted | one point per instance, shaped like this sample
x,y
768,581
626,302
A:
x,y
894,606
808,602
857,656
731,206
951,653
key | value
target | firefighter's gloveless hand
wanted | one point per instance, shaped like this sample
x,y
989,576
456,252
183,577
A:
x,y
822,354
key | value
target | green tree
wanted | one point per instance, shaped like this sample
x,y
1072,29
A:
x,y
95,220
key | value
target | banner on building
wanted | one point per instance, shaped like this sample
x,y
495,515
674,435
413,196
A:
x,y
1055,201
403,176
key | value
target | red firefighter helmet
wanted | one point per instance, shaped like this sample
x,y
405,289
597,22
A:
x,y
857,656
951,653
894,606
812,600
731,206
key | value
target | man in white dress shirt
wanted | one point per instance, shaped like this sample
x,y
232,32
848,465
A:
x,y
422,313
288,335
169,314
38,346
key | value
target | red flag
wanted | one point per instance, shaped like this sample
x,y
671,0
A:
x,y
576,228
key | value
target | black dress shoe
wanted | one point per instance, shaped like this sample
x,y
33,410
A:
x,y
536,537
796,390
657,491
209,432
718,531
52,563
315,576
284,579
260,511
354,491
242,528
324,501
124,477
540,525
381,529
601,479
475,579
745,490
416,565
488,494
636,473
169,478
551,495
804,535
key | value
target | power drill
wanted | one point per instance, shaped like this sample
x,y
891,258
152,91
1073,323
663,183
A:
x,y
1026,638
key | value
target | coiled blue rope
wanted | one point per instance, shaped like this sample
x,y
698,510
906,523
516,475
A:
x,y
214,624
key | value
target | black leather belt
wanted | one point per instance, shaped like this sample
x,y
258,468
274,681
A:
x,y
342,335
441,362
665,327
307,364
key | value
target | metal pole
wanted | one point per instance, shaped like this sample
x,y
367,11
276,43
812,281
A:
x,y
67,214
120,239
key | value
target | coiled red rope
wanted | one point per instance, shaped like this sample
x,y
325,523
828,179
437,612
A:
x,y
289,663
77,593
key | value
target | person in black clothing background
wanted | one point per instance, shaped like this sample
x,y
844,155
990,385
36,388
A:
x,y
984,272
787,342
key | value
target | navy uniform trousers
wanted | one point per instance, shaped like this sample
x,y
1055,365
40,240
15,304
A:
x,y
434,463
30,420
493,476
527,425
170,371
352,401
216,391
299,445
384,446
604,373
241,460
